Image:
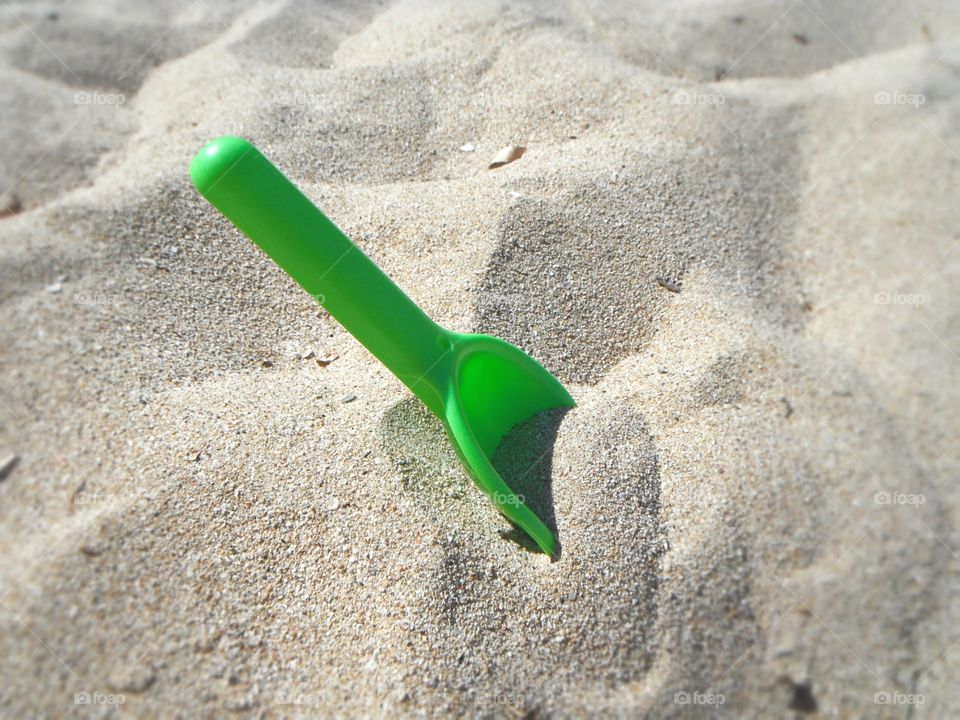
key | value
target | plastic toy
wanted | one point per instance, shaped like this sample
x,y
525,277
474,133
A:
x,y
479,386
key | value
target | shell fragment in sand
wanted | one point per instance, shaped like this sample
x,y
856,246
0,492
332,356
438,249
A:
x,y
507,155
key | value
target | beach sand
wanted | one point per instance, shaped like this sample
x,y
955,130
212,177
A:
x,y
733,236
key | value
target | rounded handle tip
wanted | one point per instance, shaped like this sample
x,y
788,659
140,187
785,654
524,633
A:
x,y
215,159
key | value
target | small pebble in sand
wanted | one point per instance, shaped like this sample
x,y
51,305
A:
x,y
307,354
668,285
506,155
54,288
266,363
10,205
467,148
132,679
348,398
326,360
7,466
787,407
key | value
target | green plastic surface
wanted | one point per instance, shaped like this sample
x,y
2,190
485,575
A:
x,y
479,386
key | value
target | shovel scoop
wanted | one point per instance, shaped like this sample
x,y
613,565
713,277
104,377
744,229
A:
x,y
479,386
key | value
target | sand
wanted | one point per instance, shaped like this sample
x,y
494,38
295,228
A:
x,y
733,236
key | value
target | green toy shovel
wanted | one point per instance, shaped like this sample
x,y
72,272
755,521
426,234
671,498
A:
x,y
479,386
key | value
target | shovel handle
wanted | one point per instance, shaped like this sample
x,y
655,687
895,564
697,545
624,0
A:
x,y
270,210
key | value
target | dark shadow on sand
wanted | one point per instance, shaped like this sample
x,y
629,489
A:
x,y
416,441
524,460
